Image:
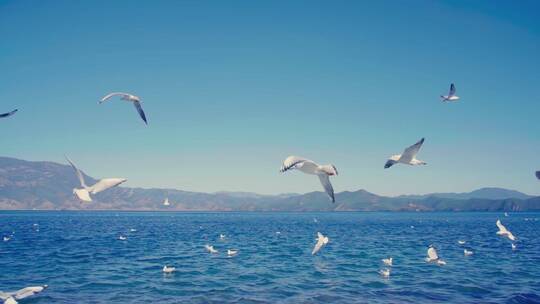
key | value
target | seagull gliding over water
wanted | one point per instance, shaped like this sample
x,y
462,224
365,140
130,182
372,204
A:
x,y
432,256
11,297
451,95
103,184
310,167
321,241
130,98
408,157
504,232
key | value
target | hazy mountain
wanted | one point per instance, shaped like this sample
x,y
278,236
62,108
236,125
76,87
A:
x,y
48,185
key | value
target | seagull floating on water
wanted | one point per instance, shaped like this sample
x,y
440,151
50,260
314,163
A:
x,y
461,242
514,246
8,114
168,269
130,98
504,232
451,95
232,252
467,252
432,256
7,238
408,157
388,261
122,238
210,248
321,241
310,167
385,273
103,184
11,297
222,236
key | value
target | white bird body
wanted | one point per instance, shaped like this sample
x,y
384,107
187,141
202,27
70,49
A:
x,y
221,236
461,242
310,167
504,232
433,256
408,156
388,261
210,249
168,269
84,192
122,238
11,297
385,272
467,252
451,97
129,98
321,241
232,252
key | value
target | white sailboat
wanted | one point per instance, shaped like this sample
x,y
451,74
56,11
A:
x,y
166,202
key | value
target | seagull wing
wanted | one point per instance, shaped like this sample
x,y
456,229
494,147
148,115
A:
x,y
432,254
502,229
538,174
410,153
78,172
108,96
138,106
4,295
452,90
320,243
293,162
10,300
325,181
27,291
8,113
105,184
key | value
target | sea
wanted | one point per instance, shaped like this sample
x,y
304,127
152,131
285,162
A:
x,y
82,260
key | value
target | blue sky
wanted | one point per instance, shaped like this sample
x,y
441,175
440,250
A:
x,y
231,88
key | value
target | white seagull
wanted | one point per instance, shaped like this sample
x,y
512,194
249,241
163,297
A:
x,y
387,262
432,256
11,297
310,167
451,94
467,252
6,238
4,115
514,246
122,238
166,202
385,273
130,98
210,248
232,252
103,184
408,157
221,236
461,242
504,232
321,241
168,269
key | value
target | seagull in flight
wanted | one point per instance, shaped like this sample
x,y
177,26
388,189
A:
x,y
8,114
408,157
84,192
451,97
130,98
310,167
504,232
432,256
11,297
321,241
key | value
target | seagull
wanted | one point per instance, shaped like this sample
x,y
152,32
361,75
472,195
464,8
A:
x,y
321,241
11,297
388,262
309,167
451,94
232,252
130,98
408,157
8,114
168,269
122,238
504,232
166,202
7,238
132,230
222,236
210,248
103,184
467,252
461,242
506,214
514,246
432,256
385,273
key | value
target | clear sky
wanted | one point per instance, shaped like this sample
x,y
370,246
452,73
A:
x,y
231,88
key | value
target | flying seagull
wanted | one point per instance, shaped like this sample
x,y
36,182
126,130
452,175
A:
x,y
432,256
309,167
451,94
504,232
408,157
130,98
103,184
8,114
321,241
387,262
11,297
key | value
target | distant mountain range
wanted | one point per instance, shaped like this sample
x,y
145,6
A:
x,y
48,186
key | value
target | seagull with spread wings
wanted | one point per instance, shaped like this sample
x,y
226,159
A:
x,y
4,115
84,192
408,157
130,98
451,97
433,256
321,241
504,232
13,296
310,167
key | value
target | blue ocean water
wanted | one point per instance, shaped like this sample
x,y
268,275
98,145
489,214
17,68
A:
x,y
79,256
